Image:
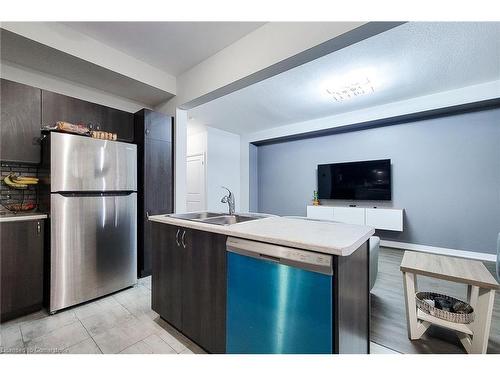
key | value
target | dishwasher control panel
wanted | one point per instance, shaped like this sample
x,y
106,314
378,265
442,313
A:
x,y
309,260
309,257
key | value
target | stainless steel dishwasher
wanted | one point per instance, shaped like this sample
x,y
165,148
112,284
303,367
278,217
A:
x,y
279,299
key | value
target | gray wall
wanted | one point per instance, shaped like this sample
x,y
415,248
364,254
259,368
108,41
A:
x,y
253,178
445,174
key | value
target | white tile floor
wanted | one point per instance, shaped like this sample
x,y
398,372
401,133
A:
x,y
120,323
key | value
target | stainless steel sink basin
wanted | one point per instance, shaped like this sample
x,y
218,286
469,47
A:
x,y
215,218
195,215
229,219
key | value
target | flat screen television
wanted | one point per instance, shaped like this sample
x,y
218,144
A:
x,y
360,180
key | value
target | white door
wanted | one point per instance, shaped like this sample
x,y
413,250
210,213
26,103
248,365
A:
x,y
196,183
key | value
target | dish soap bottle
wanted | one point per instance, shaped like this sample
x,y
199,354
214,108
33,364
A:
x,y
315,198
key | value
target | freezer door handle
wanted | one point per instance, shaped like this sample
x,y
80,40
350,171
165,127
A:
x,y
77,194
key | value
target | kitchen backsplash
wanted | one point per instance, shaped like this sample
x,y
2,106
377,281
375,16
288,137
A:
x,y
9,195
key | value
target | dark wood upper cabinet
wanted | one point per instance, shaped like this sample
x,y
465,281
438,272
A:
x,y
25,109
153,133
154,126
21,284
57,107
20,122
119,122
189,283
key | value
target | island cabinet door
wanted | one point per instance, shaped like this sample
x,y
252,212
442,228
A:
x,y
166,286
204,289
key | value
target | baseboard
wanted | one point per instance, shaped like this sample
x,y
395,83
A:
x,y
439,250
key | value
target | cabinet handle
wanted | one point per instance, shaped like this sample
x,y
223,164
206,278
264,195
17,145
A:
x,y
177,237
38,227
147,131
183,243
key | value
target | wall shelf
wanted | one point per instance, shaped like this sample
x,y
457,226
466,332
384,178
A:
x,y
379,218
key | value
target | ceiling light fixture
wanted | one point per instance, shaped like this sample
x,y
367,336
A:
x,y
352,90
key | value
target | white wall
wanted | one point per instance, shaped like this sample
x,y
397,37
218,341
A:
x,y
21,74
223,168
222,153
180,190
245,174
196,139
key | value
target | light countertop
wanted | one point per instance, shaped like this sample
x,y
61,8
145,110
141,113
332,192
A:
x,y
8,217
320,236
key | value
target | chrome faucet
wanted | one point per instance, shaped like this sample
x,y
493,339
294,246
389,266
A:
x,y
229,199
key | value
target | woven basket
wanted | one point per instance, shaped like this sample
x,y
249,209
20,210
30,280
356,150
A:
x,y
465,316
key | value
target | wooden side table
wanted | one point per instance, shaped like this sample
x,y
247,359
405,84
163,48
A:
x,y
481,286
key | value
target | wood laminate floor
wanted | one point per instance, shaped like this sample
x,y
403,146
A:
x,y
388,324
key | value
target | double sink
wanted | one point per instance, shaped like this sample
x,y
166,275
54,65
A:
x,y
216,218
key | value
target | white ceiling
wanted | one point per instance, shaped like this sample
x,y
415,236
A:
x,y
411,60
171,46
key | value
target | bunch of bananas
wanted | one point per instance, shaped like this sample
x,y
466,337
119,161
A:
x,y
19,182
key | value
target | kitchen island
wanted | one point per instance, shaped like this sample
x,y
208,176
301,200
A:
x,y
263,285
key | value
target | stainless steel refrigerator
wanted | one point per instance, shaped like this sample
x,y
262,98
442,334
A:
x,y
93,218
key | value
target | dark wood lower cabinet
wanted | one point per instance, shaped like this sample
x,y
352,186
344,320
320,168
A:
x,y
166,282
204,289
21,268
189,283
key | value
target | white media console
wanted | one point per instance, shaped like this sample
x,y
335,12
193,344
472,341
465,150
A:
x,y
379,218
